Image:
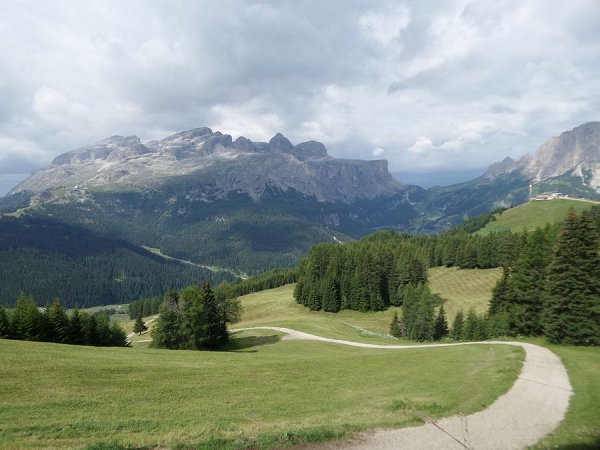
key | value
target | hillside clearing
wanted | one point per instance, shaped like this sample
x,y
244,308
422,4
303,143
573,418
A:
x,y
464,288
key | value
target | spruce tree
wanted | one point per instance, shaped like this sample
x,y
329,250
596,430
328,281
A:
x,y
118,337
76,333
572,310
500,301
139,326
470,328
527,283
167,331
458,326
395,326
440,328
216,330
58,321
26,319
331,294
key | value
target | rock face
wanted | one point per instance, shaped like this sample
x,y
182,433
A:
x,y
213,159
574,154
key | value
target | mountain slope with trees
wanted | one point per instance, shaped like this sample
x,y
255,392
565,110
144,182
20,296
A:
x,y
47,259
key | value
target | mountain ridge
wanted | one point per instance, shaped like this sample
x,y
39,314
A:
x,y
240,166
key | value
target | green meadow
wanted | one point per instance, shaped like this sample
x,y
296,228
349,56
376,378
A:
x,y
267,392
534,214
263,392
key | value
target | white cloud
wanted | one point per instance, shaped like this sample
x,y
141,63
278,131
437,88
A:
x,y
438,85
378,151
385,27
422,145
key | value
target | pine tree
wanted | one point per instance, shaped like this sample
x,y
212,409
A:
x,y
500,301
58,321
331,294
572,310
167,332
440,328
216,329
76,333
26,319
118,337
395,326
139,326
527,283
90,329
423,319
458,326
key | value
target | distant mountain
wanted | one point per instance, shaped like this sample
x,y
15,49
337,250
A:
x,y
201,196
219,167
569,163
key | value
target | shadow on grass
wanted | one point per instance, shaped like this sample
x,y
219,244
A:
x,y
247,342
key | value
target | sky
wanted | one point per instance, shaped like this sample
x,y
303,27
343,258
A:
x,y
433,87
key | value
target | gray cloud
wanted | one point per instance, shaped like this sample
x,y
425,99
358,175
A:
x,y
433,85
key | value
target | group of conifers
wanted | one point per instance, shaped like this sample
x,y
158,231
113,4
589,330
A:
x,y
550,286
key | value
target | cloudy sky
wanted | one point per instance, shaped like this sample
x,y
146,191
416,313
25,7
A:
x,y
431,86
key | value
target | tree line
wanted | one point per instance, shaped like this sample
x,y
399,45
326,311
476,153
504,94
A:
x,y
550,284
195,319
553,288
373,273
53,324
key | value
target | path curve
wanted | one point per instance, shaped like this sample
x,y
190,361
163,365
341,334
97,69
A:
x,y
531,409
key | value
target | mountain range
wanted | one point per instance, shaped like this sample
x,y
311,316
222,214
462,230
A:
x,y
202,197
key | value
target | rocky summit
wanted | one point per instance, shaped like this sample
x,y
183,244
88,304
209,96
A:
x,y
571,160
219,165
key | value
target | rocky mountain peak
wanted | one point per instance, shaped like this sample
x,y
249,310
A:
x,y
506,165
219,166
279,143
575,151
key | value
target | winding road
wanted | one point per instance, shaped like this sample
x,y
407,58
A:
x,y
532,408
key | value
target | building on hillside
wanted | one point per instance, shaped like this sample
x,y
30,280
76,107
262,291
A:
x,y
550,196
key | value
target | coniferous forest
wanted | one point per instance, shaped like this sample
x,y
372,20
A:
x,y
26,322
550,284
49,259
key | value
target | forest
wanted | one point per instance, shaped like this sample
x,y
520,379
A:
x,y
49,259
53,324
550,284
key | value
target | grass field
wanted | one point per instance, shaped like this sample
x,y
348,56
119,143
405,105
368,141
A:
x,y
65,396
277,307
464,289
535,214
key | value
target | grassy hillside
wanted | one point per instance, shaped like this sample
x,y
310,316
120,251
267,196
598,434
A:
x,y
535,214
464,289
277,307
254,395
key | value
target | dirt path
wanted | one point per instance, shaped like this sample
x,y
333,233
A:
x,y
531,409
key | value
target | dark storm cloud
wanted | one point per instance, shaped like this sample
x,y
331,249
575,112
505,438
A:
x,y
428,85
